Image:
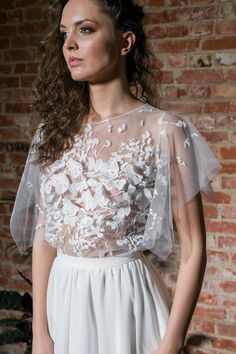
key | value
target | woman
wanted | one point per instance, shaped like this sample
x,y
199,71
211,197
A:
x,y
111,170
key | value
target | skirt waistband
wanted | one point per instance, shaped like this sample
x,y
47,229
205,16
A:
x,y
97,262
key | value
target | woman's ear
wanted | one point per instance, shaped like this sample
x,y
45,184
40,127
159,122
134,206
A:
x,y
127,42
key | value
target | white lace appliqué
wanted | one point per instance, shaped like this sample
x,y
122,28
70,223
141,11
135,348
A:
x,y
97,201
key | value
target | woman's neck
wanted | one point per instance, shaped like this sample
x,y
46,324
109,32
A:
x,y
111,98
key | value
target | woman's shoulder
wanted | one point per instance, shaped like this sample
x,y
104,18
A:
x,y
168,120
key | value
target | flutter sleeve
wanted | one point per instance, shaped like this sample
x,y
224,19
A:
x,y
184,166
27,209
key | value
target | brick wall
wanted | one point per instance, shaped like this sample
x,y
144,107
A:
x,y
194,42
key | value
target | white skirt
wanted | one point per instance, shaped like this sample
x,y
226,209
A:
x,y
112,305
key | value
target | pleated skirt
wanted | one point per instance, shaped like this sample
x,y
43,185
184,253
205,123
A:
x,y
112,305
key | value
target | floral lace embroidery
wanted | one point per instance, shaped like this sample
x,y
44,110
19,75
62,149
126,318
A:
x,y
92,204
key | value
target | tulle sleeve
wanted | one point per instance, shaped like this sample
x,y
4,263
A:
x,y
27,208
184,165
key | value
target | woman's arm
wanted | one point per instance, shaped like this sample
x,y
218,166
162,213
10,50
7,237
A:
x,y
43,255
191,230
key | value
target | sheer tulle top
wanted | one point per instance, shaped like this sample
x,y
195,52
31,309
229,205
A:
x,y
114,192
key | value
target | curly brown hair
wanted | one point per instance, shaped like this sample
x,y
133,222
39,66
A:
x,y
60,103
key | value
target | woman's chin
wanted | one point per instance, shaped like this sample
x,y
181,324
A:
x,y
78,78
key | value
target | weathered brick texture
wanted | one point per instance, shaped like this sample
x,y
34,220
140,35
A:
x,y
194,42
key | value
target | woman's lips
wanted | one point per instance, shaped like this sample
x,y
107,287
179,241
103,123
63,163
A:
x,y
73,61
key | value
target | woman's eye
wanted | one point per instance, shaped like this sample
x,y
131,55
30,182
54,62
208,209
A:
x,y
63,35
86,30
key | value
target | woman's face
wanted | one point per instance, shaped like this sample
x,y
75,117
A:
x,y
91,46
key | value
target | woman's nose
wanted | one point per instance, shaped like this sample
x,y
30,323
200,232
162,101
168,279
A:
x,y
71,43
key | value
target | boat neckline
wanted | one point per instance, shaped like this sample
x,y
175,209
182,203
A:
x,y
115,117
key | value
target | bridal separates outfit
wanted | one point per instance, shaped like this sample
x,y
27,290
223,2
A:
x,y
105,201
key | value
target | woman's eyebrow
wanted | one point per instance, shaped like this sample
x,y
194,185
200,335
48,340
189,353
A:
x,y
77,23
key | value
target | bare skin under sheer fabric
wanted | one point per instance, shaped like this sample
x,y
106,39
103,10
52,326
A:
x,y
115,191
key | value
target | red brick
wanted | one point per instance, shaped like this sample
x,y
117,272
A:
x,y
156,32
203,326
20,68
17,107
227,330
221,343
2,159
228,27
6,4
201,13
10,30
213,313
199,76
5,69
34,41
174,93
226,121
231,75
229,168
27,80
215,136
177,31
228,153
182,45
21,95
21,285
210,212
222,227
217,257
227,242
229,212
3,209
31,68
229,182
157,63
167,77
7,121
5,96
4,43
229,273
33,13
224,90
211,272
18,42
181,108
222,197
10,81
6,218
8,183
9,133
234,257
177,61
220,43
166,16
4,282
17,158
31,27
200,92
170,92
201,29
20,54
155,2
220,106
177,2
227,300
208,299
15,16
